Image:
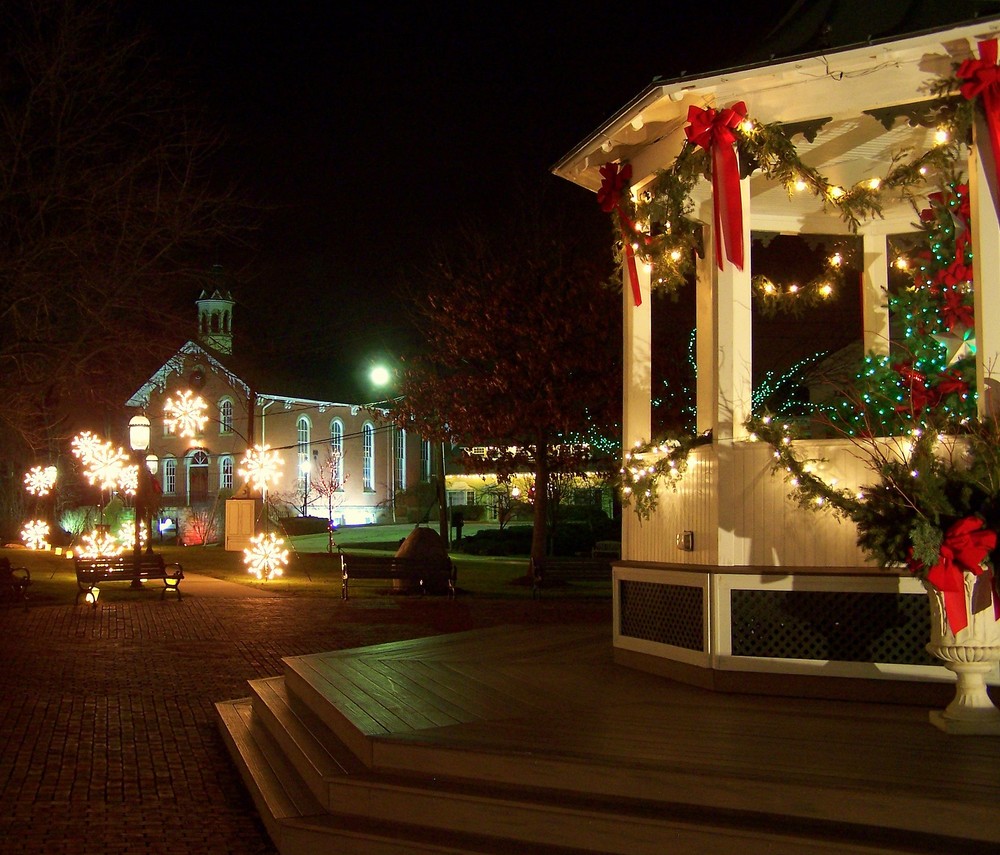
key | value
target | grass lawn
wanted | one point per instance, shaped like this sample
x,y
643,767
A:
x,y
311,570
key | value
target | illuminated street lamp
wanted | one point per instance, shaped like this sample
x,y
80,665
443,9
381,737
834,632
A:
x,y
138,439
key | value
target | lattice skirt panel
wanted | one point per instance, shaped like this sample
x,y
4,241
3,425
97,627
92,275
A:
x,y
665,614
831,625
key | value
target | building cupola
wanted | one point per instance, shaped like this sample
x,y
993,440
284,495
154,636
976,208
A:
x,y
215,320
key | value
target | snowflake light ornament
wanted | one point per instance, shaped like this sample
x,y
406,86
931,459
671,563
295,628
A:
x,y
266,556
85,444
99,544
186,415
260,467
35,534
128,479
39,480
105,467
126,535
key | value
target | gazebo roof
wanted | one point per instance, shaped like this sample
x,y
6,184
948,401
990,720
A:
x,y
851,110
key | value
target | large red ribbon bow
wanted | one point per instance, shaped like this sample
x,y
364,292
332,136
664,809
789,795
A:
x,y
614,182
982,79
713,130
965,547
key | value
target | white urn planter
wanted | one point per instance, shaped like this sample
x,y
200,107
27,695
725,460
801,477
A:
x,y
972,654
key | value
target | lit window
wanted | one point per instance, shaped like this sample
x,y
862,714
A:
x,y
337,451
225,416
425,460
368,458
226,473
302,430
401,460
169,475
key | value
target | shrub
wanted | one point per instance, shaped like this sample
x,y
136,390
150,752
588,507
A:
x,y
293,526
470,513
515,540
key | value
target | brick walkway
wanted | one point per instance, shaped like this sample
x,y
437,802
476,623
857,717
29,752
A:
x,y
108,742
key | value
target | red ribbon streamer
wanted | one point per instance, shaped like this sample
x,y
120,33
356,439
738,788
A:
x,y
614,182
982,79
713,130
965,547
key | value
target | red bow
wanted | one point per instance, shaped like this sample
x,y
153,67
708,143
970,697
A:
x,y
614,182
965,547
954,274
713,130
916,385
982,80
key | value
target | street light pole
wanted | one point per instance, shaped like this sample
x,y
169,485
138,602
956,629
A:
x,y
138,439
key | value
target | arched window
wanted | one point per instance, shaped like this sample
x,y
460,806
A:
x,y
226,473
425,460
226,415
169,475
368,458
400,460
337,451
302,432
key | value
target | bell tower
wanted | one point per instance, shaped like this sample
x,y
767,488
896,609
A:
x,y
215,320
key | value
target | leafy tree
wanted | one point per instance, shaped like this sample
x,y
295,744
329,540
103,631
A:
x,y
521,345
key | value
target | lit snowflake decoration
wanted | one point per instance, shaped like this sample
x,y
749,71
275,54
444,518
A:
x,y
185,416
266,556
39,481
105,463
99,544
128,480
126,535
85,444
35,534
260,467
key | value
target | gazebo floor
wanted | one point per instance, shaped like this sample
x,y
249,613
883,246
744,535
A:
x,y
533,740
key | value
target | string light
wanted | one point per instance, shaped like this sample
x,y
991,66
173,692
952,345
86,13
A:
x,y
39,480
266,556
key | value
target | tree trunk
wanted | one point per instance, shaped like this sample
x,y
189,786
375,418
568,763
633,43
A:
x,y
539,532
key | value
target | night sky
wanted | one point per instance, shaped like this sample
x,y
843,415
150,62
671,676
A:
x,y
373,133
369,134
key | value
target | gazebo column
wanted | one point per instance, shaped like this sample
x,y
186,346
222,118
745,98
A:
x,y
986,264
874,294
732,367
733,336
705,346
637,342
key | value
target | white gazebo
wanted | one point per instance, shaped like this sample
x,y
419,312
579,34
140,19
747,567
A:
x,y
729,584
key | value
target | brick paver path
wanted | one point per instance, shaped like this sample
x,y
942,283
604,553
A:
x,y
108,742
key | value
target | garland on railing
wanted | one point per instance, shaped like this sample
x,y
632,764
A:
x,y
648,464
658,228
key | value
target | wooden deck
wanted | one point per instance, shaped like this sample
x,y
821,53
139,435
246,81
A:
x,y
533,740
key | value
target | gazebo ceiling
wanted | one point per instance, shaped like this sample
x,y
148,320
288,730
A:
x,y
850,113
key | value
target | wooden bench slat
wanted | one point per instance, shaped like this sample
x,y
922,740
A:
x,y
90,572
420,572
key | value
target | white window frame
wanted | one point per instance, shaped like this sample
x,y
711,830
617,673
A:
x,y
337,450
226,470
400,459
226,415
169,475
368,457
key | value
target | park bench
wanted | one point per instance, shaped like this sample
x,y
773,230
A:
x,y
423,574
14,581
127,567
549,570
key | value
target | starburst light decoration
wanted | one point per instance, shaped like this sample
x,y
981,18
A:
x,y
266,556
260,467
185,415
105,463
35,534
128,479
126,535
99,544
40,480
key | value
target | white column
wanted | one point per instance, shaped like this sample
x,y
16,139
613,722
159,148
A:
x,y
705,339
875,294
734,337
733,367
637,360
986,264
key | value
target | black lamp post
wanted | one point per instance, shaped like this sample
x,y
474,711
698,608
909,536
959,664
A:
x,y
138,439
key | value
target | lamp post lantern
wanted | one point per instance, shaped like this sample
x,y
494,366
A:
x,y
138,439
